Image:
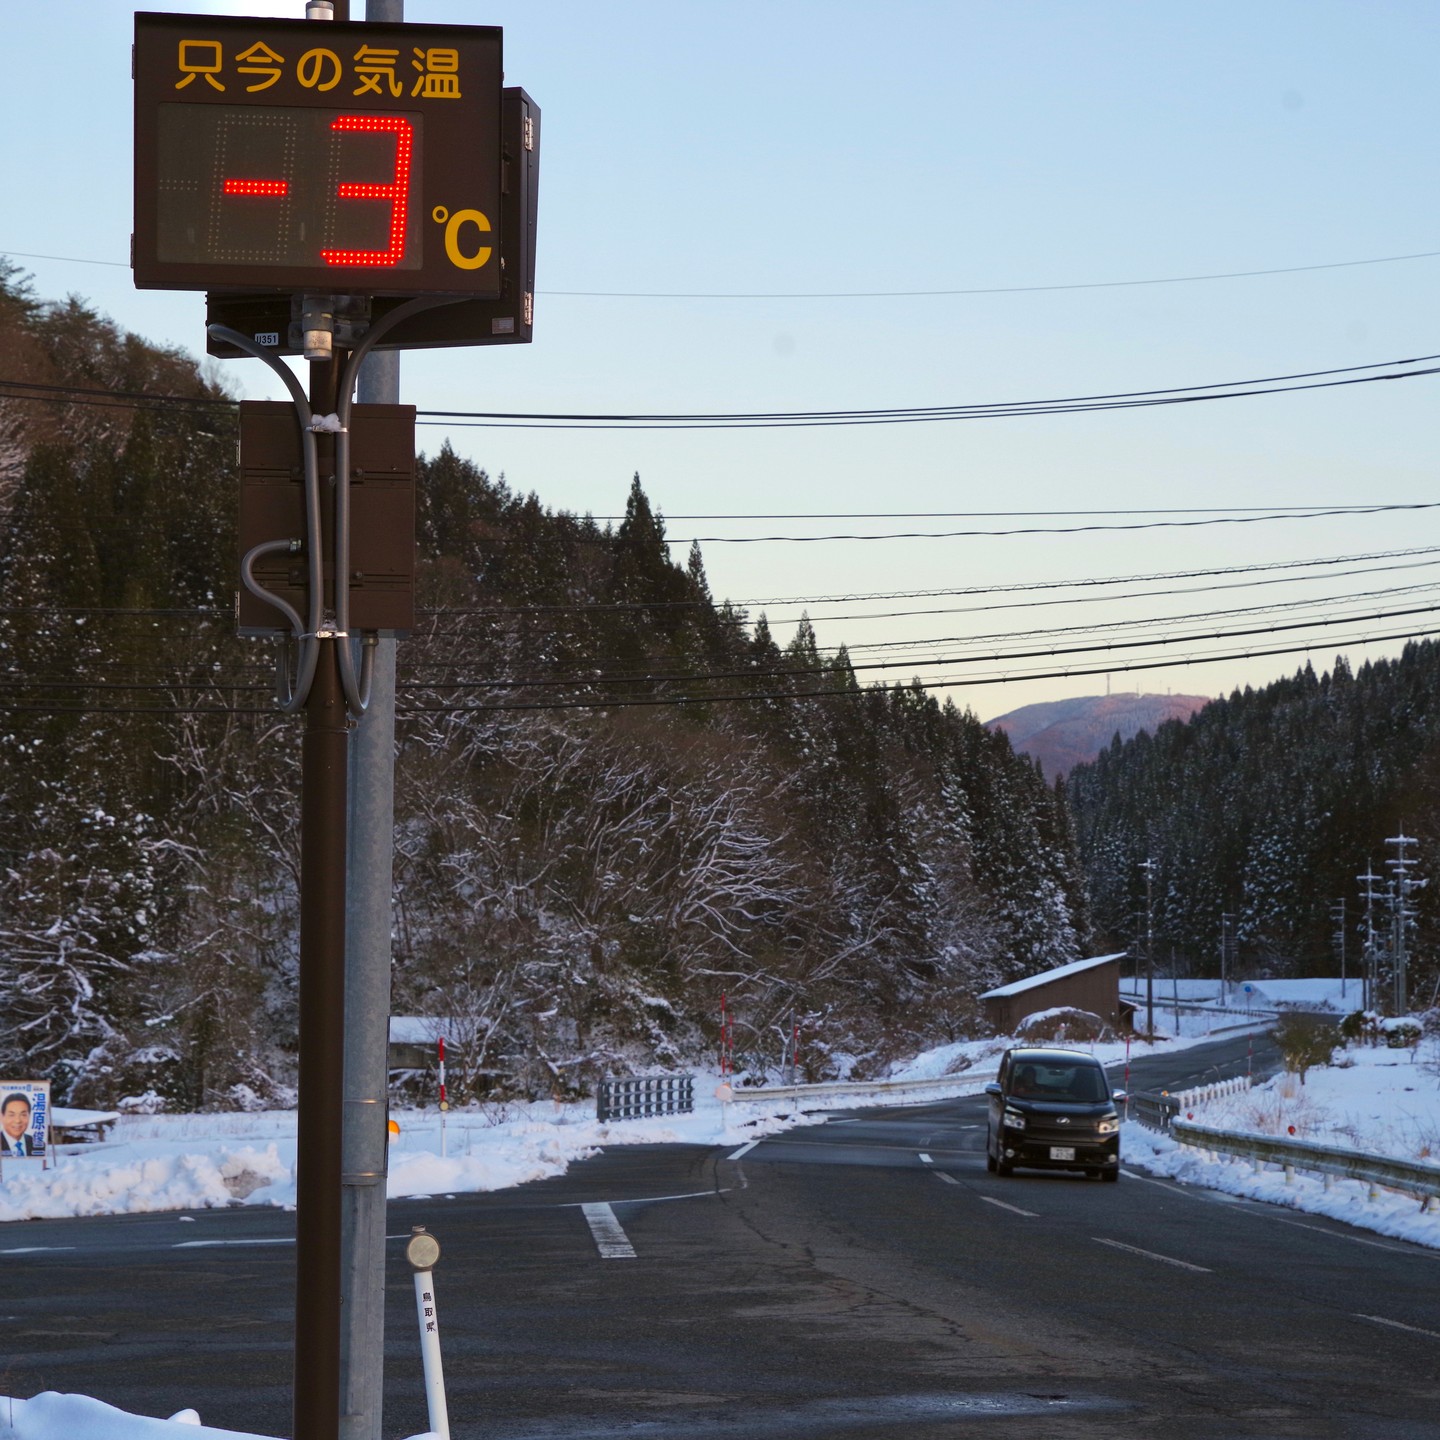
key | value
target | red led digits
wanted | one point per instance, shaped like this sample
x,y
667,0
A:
x,y
257,187
397,192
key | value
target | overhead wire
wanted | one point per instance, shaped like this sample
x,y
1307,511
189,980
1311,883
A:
x,y
1269,385
852,692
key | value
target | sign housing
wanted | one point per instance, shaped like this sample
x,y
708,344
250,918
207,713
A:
x,y
286,156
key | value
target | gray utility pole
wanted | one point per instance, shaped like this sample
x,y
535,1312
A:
x,y
1149,868
369,881
1371,997
1402,914
1227,952
1339,913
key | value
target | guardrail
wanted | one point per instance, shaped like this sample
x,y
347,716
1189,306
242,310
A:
x,y
1157,1109
1152,1108
966,1080
1207,1007
1415,1177
644,1096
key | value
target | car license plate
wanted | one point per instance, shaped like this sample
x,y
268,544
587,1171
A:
x,y
1062,1152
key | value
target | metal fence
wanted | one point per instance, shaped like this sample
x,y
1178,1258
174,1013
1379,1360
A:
x,y
638,1099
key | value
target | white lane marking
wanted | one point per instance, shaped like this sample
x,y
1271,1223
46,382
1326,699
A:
x,y
1013,1209
925,1158
35,1249
743,1150
793,1144
1397,1325
210,1244
948,1179
642,1199
610,1239
1151,1255
1340,1235
1257,1207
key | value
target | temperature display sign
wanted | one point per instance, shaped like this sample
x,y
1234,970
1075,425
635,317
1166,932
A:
x,y
291,156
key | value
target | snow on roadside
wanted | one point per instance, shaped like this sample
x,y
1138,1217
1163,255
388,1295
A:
x,y
1383,1101
198,1162
53,1416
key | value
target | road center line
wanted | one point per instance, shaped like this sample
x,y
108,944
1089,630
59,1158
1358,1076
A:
x,y
1397,1325
1151,1255
35,1249
947,1178
743,1150
610,1239
211,1244
1013,1209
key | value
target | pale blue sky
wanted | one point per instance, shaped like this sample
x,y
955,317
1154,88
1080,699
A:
x,y
800,146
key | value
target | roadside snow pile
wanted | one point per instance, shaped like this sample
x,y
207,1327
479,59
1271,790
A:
x,y
53,1416
198,1162
1382,1101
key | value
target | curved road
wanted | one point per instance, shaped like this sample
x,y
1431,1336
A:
x,y
863,1276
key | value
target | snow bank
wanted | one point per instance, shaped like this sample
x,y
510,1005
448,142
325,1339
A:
x,y
198,1162
52,1416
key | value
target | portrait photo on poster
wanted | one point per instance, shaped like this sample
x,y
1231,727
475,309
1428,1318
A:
x,y
24,1119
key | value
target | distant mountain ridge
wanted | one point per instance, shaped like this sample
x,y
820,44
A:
x,y
1061,734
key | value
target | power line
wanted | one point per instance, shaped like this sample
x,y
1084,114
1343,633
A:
x,y
912,662
496,420
1035,529
1010,636
233,685
952,682
848,692
807,601
889,294
1118,400
981,290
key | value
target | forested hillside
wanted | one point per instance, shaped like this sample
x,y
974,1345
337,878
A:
x,y
1062,734
616,798
1267,805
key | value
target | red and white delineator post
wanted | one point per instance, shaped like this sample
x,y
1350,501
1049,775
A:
x,y
444,1103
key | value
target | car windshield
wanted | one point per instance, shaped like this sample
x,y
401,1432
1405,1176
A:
x,y
1036,1080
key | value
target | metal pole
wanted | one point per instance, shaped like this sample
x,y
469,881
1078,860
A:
x,y
369,883
322,1022
1149,868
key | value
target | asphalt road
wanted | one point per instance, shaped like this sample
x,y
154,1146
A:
x,y
864,1276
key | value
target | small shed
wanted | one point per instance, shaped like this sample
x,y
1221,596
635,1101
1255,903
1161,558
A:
x,y
413,1039
1092,985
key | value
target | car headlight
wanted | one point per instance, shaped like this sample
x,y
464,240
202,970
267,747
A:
x,y
1108,1125
1014,1119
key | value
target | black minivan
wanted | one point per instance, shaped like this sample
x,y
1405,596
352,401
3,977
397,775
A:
x,y
1053,1109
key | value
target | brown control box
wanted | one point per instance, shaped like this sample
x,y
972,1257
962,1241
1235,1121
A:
x,y
382,515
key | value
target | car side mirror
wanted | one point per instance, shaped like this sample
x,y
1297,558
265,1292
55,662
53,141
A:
x,y
1119,1096
993,1088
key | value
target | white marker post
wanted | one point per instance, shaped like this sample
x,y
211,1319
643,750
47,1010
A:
x,y
444,1104
422,1251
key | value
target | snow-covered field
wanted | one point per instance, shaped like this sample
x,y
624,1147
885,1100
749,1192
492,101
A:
x,y
1376,1099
